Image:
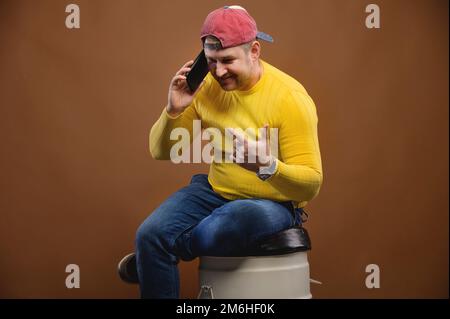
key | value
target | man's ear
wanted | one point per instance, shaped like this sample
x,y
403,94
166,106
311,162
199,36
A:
x,y
255,50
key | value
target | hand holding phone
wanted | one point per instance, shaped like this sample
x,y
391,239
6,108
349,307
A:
x,y
185,83
181,93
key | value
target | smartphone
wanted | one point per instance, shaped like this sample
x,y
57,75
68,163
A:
x,y
198,72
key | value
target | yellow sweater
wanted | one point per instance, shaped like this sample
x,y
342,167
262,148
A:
x,y
276,99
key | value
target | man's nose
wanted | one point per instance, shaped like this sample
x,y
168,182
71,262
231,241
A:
x,y
220,70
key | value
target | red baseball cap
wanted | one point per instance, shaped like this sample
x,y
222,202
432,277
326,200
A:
x,y
233,26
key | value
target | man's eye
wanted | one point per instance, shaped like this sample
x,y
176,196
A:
x,y
227,61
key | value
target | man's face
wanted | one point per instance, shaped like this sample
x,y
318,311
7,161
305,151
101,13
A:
x,y
231,67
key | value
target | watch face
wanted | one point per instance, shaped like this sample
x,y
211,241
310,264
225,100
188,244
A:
x,y
264,176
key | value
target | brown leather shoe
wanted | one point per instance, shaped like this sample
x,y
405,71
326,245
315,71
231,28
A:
x,y
127,269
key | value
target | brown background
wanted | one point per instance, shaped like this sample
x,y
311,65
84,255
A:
x,y
76,107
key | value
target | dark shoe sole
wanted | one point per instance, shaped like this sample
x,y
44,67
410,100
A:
x,y
127,269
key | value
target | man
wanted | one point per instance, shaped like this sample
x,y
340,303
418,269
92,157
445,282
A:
x,y
240,201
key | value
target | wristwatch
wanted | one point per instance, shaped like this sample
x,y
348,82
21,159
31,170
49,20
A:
x,y
267,171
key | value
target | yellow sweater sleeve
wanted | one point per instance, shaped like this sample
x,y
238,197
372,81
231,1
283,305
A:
x,y
159,139
299,168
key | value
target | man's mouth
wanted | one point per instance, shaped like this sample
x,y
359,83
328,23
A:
x,y
225,79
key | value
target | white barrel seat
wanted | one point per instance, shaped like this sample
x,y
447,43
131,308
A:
x,y
276,268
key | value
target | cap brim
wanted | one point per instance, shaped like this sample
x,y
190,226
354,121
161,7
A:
x,y
264,36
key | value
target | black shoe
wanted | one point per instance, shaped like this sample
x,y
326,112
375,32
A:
x,y
127,269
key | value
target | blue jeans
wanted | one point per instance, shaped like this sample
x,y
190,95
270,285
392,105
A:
x,y
196,221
